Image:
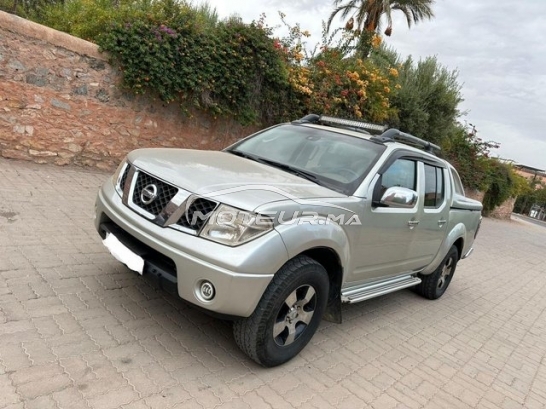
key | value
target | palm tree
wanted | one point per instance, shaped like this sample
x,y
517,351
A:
x,y
367,13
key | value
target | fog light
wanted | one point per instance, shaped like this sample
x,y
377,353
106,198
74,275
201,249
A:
x,y
207,291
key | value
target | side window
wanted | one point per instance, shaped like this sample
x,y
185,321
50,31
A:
x,y
434,186
400,173
457,182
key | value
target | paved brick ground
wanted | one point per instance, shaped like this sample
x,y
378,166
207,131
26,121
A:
x,y
77,330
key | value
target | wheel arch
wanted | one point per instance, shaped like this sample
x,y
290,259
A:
x,y
455,237
331,261
459,243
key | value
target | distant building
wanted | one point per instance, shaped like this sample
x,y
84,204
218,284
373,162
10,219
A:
x,y
531,173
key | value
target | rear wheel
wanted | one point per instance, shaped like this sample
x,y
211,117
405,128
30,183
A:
x,y
288,314
434,285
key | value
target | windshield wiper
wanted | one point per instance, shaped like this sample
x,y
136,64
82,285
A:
x,y
288,168
243,155
298,172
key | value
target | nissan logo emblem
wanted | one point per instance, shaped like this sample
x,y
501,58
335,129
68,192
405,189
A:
x,y
148,194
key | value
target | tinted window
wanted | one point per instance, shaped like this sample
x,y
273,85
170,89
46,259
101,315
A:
x,y
400,173
434,186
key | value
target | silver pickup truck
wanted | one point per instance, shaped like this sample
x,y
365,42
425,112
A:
x,y
281,228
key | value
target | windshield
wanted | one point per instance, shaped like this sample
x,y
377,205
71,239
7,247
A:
x,y
328,158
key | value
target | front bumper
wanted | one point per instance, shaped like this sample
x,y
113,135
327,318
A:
x,y
240,274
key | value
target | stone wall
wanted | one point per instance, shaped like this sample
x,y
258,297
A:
x,y
61,102
504,211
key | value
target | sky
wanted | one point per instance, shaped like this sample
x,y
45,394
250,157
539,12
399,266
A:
x,y
498,48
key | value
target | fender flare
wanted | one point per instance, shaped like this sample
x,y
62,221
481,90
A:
x,y
320,232
315,238
457,232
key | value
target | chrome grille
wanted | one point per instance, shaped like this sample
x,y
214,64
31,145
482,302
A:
x,y
165,193
197,214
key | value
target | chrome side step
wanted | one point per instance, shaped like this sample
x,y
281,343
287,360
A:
x,y
365,292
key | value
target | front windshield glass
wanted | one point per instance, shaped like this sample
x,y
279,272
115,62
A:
x,y
331,159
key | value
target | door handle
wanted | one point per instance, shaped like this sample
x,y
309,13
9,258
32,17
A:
x,y
413,223
441,222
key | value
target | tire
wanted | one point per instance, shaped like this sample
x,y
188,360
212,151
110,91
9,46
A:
x,y
434,285
287,315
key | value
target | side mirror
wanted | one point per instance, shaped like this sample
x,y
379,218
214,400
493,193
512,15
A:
x,y
399,197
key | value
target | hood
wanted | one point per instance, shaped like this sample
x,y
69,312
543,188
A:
x,y
227,178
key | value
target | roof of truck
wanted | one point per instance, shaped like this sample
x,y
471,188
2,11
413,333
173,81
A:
x,y
373,132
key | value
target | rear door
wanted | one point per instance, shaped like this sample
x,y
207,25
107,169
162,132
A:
x,y
433,221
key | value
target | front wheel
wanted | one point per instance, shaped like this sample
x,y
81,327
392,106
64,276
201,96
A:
x,y
288,314
434,285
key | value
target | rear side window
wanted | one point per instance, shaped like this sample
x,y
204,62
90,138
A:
x,y
457,183
434,186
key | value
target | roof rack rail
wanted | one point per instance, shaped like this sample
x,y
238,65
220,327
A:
x,y
394,135
341,123
386,135
309,119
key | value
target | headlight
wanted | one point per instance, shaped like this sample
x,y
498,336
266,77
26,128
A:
x,y
233,227
117,175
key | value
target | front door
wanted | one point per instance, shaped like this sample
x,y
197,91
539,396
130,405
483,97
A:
x,y
386,234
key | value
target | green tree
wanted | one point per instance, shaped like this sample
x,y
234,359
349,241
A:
x,y
365,16
427,99
504,183
426,104
533,195
469,154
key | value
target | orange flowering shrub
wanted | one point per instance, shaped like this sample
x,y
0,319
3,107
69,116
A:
x,y
333,80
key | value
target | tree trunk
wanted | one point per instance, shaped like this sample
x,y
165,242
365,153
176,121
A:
x,y
364,45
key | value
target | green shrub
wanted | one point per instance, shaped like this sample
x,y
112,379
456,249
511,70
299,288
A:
x,y
533,193
27,8
232,69
89,19
503,184
470,156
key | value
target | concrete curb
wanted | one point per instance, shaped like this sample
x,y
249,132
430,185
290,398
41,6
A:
x,y
528,220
